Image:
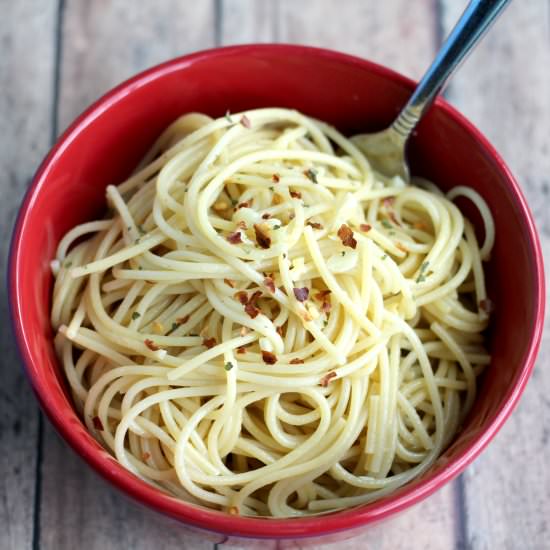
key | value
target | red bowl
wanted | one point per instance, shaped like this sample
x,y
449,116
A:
x,y
103,145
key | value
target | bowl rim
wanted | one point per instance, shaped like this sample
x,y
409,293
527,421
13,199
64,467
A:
x,y
213,520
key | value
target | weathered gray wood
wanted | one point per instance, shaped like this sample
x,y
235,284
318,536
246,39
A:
x,y
504,88
27,42
103,44
392,33
248,21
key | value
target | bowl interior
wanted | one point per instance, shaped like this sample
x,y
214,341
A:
x,y
104,145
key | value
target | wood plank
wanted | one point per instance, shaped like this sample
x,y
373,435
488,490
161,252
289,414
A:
x,y
103,44
504,88
25,112
248,21
390,33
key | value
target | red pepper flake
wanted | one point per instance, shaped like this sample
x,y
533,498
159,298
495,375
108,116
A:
x,y
209,342
269,283
245,121
245,204
229,283
266,216
420,225
327,378
296,194
146,456
388,202
487,305
269,358
233,511
235,238
98,425
326,306
365,227
242,296
315,225
276,178
346,236
279,330
301,294
262,238
242,225
182,320
296,361
251,310
321,295
241,350
151,345
311,174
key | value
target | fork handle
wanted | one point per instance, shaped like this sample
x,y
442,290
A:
x,y
472,25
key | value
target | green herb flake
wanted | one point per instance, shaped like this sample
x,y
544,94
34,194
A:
x,y
68,264
276,227
311,174
343,253
174,326
136,315
228,366
421,275
140,268
271,188
141,230
384,256
228,116
387,224
234,202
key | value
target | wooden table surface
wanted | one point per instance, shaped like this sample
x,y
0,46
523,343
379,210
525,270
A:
x,y
57,56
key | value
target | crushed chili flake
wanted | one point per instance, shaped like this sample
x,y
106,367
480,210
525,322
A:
x,y
245,204
420,225
209,342
487,305
326,306
241,349
233,510
388,202
296,194
146,456
245,121
266,216
229,282
269,283
242,296
276,178
365,227
182,320
235,238
296,361
279,330
346,236
315,225
269,358
327,378
251,310
98,425
301,294
262,237
151,345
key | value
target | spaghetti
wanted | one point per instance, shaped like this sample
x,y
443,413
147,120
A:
x,y
267,326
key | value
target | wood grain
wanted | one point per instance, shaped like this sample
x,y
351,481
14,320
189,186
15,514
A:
x,y
103,43
26,78
504,88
